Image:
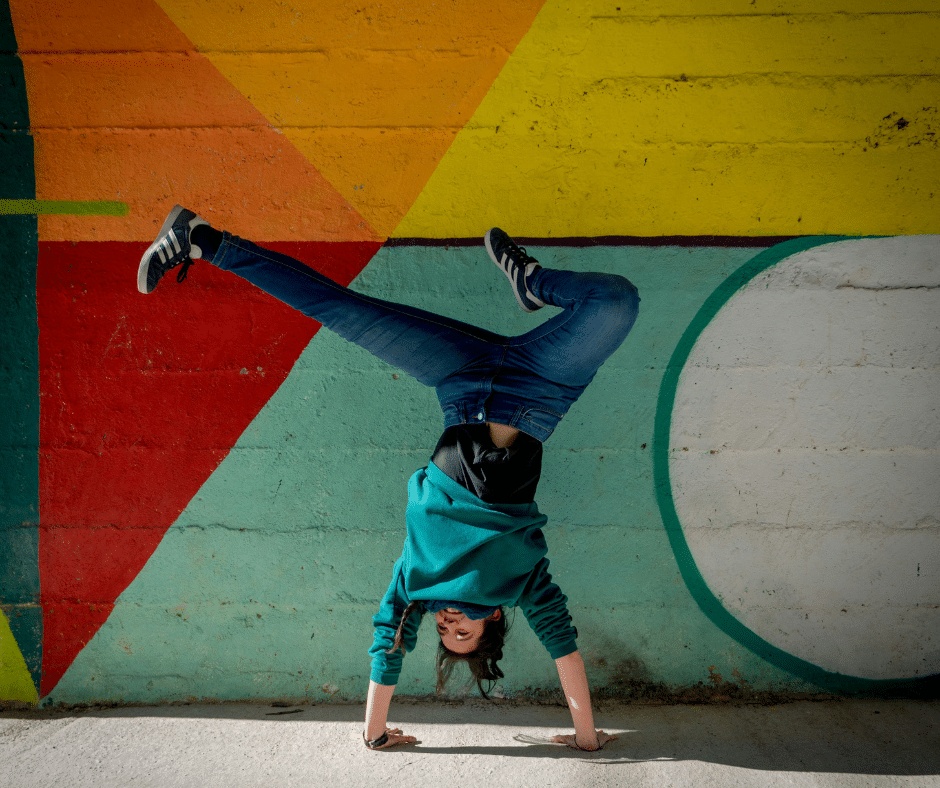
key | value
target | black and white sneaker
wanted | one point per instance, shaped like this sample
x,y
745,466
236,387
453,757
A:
x,y
516,264
171,248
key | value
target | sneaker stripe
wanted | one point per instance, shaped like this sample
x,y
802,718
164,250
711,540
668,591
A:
x,y
502,250
170,248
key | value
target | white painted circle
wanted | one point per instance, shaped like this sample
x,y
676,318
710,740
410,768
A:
x,y
805,456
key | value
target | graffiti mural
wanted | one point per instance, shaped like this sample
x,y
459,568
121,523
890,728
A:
x,y
204,491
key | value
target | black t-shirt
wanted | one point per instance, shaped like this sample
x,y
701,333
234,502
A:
x,y
467,455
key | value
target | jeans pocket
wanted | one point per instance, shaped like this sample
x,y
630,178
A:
x,y
542,419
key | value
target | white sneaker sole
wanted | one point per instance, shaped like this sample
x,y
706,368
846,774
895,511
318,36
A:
x,y
145,260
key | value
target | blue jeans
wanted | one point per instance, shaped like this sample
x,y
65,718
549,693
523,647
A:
x,y
527,382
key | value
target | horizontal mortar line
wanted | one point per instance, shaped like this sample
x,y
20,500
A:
x,y
43,526
876,288
775,76
813,364
98,52
356,600
267,531
248,530
658,145
418,456
165,370
404,451
811,368
778,15
617,528
678,75
410,52
113,674
204,668
230,604
301,446
771,525
887,145
627,450
898,141
670,76
247,127
682,452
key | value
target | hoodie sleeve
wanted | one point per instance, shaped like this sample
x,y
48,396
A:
x,y
386,667
545,608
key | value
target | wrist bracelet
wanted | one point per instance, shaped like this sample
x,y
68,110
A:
x,y
375,743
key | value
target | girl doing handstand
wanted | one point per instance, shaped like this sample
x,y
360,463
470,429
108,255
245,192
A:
x,y
474,542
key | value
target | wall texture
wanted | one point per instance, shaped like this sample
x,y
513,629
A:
x,y
202,495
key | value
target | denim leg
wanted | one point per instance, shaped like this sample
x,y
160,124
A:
x,y
427,346
598,312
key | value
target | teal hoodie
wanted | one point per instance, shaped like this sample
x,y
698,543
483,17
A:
x,y
459,547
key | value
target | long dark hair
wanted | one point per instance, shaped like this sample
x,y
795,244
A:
x,y
397,643
481,662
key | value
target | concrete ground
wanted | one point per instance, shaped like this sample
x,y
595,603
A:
x,y
840,743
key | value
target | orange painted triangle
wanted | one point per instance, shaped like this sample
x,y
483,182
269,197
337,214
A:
x,y
140,117
373,94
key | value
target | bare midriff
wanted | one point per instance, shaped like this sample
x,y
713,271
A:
x,y
502,435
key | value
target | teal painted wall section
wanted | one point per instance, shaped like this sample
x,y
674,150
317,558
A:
x,y
266,584
19,365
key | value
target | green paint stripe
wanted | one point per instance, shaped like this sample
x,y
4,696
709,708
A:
x,y
706,600
63,207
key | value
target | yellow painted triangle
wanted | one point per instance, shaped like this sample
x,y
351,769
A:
x,y
647,120
16,683
372,94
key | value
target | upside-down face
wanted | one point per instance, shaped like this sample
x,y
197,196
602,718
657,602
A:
x,y
460,634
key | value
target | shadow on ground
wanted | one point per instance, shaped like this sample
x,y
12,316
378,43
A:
x,y
847,737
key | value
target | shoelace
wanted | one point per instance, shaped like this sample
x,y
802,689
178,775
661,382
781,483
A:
x,y
523,254
181,275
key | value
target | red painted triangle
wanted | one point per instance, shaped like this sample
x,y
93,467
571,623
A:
x,y
141,398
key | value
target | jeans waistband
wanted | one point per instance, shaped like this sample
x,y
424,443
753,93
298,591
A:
x,y
533,419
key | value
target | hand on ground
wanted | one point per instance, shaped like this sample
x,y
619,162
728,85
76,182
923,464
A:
x,y
571,741
396,737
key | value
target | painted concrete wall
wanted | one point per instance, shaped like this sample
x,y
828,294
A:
x,y
202,495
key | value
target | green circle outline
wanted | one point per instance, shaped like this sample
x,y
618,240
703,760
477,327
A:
x,y
703,596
